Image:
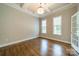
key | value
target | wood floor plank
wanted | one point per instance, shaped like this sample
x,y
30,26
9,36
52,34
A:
x,y
38,47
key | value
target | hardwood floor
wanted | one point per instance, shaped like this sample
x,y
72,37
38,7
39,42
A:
x,y
38,47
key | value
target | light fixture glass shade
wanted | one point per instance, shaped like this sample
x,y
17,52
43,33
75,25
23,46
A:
x,y
40,10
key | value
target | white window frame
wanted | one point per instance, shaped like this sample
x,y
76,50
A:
x,y
43,26
57,21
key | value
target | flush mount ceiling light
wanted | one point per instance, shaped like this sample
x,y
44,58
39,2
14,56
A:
x,y
40,10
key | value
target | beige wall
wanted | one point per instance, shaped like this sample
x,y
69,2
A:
x,y
66,24
16,25
78,6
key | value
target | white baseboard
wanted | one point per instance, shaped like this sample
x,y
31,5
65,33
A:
x,y
57,40
7,44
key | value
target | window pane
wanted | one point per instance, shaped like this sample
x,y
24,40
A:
x,y
44,26
57,20
57,25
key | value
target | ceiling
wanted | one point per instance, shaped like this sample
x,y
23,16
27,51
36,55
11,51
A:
x,y
48,7
32,7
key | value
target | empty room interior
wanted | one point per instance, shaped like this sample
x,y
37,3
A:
x,y
39,29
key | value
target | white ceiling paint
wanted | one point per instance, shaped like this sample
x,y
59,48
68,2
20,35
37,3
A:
x,y
31,8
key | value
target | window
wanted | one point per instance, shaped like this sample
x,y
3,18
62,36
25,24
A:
x,y
57,25
43,26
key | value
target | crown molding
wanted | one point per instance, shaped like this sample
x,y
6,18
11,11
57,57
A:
x,y
13,5
61,9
